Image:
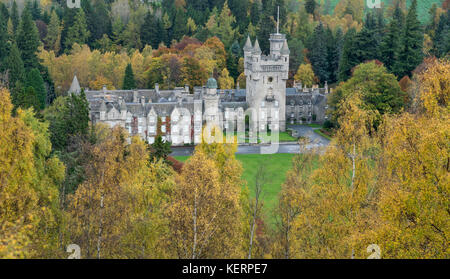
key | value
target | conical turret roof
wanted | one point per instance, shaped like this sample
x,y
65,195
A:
x,y
285,49
248,45
103,106
257,49
75,86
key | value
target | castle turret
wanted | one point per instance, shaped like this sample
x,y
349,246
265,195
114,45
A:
x,y
102,111
75,86
266,77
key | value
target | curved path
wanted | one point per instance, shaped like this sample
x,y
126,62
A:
x,y
317,141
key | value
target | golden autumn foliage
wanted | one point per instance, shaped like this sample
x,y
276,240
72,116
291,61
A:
x,y
305,75
205,213
388,187
116,211
29,181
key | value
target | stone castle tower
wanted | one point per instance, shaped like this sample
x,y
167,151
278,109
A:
x,y
266,77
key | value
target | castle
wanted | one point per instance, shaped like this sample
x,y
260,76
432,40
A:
x,y
179,116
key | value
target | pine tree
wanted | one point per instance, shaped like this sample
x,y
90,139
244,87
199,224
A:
x,y
15,16
128,80
179,25
4,12
53,39
334,49
14,65
255,13
36,10
152,31
267,26
3,41
348,58
160,149
225,23
318,54
77,33
441,39
411,54
366,45
28,40
239,10
390,46
34,79
100,23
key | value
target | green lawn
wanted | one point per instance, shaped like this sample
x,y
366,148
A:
x,y
277,166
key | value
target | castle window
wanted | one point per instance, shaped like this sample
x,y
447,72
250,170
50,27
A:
x,y
270,79
151,129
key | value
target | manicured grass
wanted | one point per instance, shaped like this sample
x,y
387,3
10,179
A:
x,y
277,166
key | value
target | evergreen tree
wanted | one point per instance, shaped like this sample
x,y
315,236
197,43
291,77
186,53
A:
x,y
411,54
4,12
36,10
441,39
53,39
15,16
152,31
366,45
3,41
179,28
296,57
160,149
390,46
26,98
14,65
68,118
318,53
128,80
224,29
34,79
267,26
334,47
239,10
28,40
78,32
310,6
348,58
255,13
100,23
